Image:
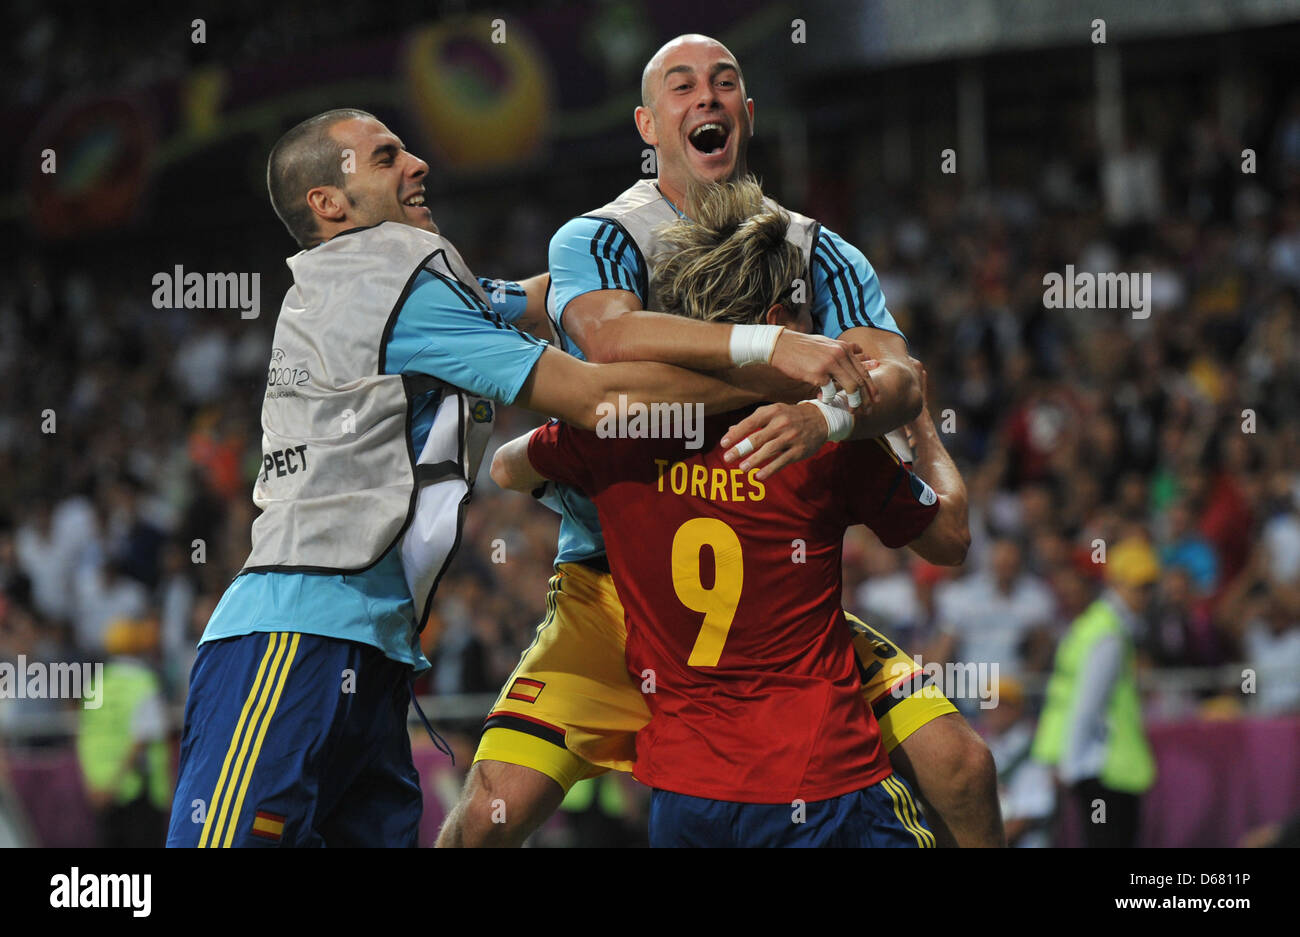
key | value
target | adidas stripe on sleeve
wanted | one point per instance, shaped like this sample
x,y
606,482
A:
x,y
846,290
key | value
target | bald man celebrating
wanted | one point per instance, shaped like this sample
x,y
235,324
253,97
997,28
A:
x,y
571,709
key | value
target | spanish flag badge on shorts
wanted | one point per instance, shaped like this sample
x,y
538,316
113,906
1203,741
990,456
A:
x,y
268,825
525,690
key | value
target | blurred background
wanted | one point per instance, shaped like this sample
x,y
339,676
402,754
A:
x,y
1172,148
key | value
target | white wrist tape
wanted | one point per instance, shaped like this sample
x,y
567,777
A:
x,y
839,421
753,344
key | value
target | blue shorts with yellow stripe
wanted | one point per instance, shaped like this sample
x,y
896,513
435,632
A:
x,y
877,817
295,740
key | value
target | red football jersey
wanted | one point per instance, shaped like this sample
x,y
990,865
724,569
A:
x,y
731,589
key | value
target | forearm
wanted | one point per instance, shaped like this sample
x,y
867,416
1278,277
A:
x,y
610,326
899,402
652,382
642,335
947,539
933,463
767,383
581,393
897,377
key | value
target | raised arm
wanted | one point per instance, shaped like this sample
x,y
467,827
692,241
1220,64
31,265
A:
x,y
947,539
440,332
562,386
896,378
611,326
847,304
599,281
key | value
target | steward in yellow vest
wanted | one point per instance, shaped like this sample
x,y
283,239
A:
x,y
1090,729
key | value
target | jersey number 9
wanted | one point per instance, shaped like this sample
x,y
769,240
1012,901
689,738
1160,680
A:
x,y
718,604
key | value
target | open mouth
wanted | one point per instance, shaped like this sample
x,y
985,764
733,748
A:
x,y
414,201
709,139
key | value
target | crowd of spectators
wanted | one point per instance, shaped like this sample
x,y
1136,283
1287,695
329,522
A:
x,y
1079,429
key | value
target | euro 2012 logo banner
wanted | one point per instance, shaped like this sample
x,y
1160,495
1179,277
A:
x,y
481,91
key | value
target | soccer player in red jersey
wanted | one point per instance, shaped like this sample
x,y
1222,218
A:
x,y
732,585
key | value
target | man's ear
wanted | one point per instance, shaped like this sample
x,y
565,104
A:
x,y
749,106
328,202
777,315
645,125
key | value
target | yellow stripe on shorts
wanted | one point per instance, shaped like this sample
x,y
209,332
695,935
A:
x,y
909,807
905,810
234,743
261,734
274,676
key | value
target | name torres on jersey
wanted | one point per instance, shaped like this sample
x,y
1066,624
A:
x,y
711,484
